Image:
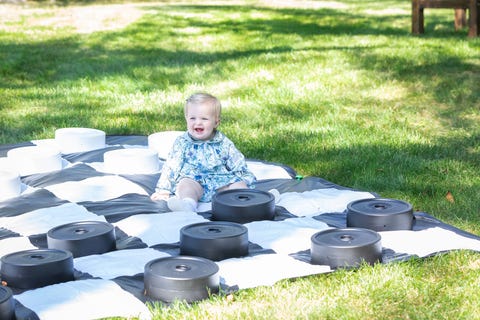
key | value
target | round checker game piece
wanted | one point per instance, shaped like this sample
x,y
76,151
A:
x,y
36,268
131,161
10,185
347,247
216,240
73,140
35,159
380,214
181,278
243,205
162,142
7,304
83,238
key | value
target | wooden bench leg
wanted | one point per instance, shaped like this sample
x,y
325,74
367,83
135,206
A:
x,y
418,23
473,20
421,21
460,19
417,18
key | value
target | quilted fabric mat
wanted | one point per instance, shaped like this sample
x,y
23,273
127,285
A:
x,y
111,284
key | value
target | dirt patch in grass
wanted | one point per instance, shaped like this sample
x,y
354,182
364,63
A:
x,y
84,19
102,17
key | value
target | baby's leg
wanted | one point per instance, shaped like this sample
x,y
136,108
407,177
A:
x,y
187,194
235,185
188,188
238,185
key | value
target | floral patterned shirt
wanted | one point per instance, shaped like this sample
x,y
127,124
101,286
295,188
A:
x,y
214,164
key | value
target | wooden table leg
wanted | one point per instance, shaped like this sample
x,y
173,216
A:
x,y
474,22
460,19
417,17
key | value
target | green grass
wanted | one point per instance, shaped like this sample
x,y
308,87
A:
x,y
339,90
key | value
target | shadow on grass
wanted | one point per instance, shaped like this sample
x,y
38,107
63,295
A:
x,y
51,61
103,55
48,60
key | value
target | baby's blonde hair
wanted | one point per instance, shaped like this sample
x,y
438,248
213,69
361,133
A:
x,y
204,98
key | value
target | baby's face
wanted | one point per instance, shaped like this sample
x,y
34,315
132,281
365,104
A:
x,y
201,121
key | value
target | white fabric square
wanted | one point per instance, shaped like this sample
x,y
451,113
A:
x,y
42,220
117,263
287,236
267,171
159,228
83,299
426,242
265,269
95,189
310,203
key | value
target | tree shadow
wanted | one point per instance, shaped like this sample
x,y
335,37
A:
x,y
53,59
60,60
433,72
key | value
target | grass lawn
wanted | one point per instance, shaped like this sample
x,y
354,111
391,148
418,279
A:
x,y
336,89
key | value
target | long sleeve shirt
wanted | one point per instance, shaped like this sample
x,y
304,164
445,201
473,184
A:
x,y
214,163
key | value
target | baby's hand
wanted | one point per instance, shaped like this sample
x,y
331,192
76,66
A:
x,y
160,195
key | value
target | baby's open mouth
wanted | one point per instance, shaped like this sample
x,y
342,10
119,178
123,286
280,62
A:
x,y
199,130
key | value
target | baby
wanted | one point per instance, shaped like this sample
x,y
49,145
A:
x,y
202,160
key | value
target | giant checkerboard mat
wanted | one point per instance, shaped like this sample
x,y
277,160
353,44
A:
x,y
111,284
